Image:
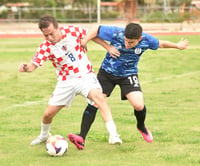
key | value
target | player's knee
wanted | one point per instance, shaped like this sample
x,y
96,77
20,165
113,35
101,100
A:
x,y
139,107
100,98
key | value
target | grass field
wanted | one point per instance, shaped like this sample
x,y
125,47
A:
x,y
171,85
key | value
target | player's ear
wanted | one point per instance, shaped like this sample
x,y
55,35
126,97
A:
x,y
140,38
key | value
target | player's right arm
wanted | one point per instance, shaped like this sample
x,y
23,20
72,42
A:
x,y
111,49
93,35
38,59
27,67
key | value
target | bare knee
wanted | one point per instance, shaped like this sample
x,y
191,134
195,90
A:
x,y
136,100
97,97
139,107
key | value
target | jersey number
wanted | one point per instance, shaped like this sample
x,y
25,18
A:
x,y
71,56
133,80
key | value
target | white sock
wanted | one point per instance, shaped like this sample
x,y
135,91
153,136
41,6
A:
x,y
112,130
45,129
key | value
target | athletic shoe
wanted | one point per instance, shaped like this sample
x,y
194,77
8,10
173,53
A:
x,y
77,140
115,140
40,139
147,136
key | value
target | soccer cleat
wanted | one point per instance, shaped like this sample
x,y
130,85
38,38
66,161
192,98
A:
x,y
147,136
77,140
115,140
40,139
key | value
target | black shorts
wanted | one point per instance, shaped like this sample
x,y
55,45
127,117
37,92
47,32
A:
x,y
126,84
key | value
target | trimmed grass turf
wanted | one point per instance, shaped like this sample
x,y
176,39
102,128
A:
x,y
170,81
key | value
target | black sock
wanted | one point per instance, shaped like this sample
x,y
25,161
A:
x,y
87,119
140,116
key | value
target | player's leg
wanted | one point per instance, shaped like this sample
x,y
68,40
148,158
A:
x,y
96,96
137,101
88,118
131,90
108,83
62,96
48,115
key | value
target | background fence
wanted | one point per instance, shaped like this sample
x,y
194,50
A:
x,y
89,14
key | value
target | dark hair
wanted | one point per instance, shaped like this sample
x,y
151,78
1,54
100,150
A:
x,y
133,31
46,20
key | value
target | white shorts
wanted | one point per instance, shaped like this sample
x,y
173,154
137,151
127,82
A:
x,y
65,91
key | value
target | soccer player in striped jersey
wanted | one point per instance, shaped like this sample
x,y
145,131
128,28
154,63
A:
x,y
120,67
75,75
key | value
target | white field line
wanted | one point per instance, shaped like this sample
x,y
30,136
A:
x,y
32,103
171,77
25,104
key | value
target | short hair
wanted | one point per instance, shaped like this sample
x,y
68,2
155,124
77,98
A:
x,y
133,31
46,20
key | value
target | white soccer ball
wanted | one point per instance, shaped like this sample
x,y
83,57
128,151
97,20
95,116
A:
x,y
56,145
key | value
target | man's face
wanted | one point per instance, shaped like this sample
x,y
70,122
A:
x,y
52,34
130,43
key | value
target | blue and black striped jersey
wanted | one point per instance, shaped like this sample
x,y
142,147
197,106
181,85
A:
x,y
127,63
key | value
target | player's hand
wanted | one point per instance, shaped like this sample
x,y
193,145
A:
x,y
23,68
113,52
182,44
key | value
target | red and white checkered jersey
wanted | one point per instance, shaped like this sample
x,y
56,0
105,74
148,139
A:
x,y
67,56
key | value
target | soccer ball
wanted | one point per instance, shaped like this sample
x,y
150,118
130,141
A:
x,y
56,145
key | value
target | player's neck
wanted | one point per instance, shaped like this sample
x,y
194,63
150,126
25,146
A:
x,y
60,35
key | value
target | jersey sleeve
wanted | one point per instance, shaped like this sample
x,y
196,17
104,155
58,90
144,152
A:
x,y
153,42
106,32
83,32
41,54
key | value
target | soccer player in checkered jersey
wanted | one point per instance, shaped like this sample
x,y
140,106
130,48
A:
x,y
120,67
74,73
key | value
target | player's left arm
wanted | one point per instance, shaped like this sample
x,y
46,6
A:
x,y
181,45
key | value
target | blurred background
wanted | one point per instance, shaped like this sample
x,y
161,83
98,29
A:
x,y
97,10
162,15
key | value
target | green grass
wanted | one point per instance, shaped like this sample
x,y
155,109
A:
x,y
171,85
